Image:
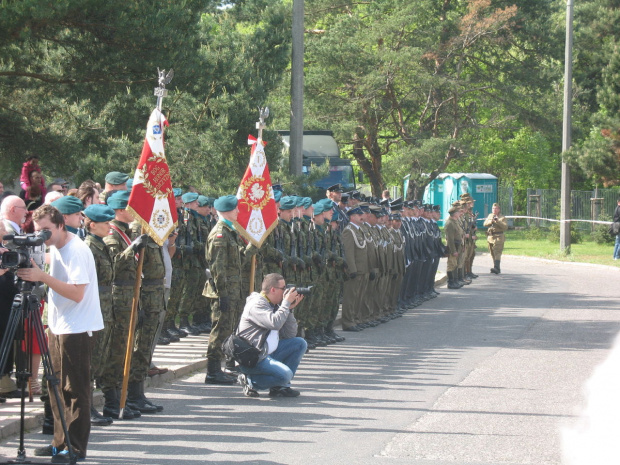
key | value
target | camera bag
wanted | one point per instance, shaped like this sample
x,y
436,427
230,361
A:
x,y
241,350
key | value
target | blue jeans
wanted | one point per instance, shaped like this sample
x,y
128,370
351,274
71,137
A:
x,y
617,247
278,368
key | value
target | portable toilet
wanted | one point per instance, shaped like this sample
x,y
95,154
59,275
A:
x,y
447,188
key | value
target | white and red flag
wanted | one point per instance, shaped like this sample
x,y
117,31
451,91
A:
x,y
151,201
258,214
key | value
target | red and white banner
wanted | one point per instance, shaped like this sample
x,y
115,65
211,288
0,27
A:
x,y
258,214
151,201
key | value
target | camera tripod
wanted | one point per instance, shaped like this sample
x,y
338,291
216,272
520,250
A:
x,y
24,323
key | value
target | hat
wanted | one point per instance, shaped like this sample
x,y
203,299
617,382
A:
x,y
68,205
436,208
116,177
344,198
277,195
129,183
466,196
408,204
355,195
287,203
384,202
453,209
355,211
495,205
318,208
336,216
365,208
306,202
417,203
189,197
118,200
177,191
395,217
226,203
335,188
203,201
99,213
375,210
277,187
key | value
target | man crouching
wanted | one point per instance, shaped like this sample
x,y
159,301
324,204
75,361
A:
x,y
269,324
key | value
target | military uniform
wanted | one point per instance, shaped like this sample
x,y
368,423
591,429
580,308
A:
x,y
496,238
356,255
454,243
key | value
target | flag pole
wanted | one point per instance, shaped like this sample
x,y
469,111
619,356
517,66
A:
x,y
160,93
260,125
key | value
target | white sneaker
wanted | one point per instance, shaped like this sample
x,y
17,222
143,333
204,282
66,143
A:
x,y
248,389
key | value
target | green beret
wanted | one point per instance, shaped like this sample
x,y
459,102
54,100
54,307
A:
x,y
277,195
68,205
287,203
115,178
318,208
203,201
226,203
211,201
129,183
307,202
99,213
189,197
299,201
118,200
177,191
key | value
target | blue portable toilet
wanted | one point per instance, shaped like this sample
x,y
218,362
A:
x,y
447,188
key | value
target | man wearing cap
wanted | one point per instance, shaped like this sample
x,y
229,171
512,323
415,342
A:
x,y
334,193
124,255
398,244
97,224
336,269
497,226
469,220
227,254
114,181
202,314
71,209
355,245
454,243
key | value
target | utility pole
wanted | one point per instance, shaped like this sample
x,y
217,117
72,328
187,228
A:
x,y
297,90
565,211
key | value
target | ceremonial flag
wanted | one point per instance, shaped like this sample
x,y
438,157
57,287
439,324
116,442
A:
x,y
151,201
258,214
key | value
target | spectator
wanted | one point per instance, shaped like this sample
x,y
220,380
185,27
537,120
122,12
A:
x,y
52,196
73,314
88,193
35,191
268,322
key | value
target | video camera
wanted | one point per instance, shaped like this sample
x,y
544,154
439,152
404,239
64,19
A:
x,y
301,290
23,248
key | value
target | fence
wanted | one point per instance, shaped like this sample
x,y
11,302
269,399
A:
x,y
544,205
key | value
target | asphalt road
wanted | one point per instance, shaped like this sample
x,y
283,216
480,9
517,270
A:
x,y
488,374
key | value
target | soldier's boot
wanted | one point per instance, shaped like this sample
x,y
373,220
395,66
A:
x,y
48,421
452,284
173,331
215,375
332,333
136,401
462,277
185,327
128,411
321,336
96,419
169,330
146,400
495,268
111,406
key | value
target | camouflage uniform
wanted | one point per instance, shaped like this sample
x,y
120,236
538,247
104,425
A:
x,y
178,275
193,245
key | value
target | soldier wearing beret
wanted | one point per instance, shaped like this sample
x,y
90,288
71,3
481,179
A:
x,y
497,226
114,181
97,225
71,209
227,254
202,314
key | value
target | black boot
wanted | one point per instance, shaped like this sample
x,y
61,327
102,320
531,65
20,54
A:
x,y
452,284
48,422
462,278
147,401
496,269
330,330
96,419
135,401
184,327
111,406
215,375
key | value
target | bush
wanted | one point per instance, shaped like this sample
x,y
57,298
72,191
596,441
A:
x,y
601,235
575,235
535,233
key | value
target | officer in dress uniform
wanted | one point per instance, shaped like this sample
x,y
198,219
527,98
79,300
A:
x,y
355,245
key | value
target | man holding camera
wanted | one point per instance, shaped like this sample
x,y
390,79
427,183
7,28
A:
x,y
497,226
269,324
74,313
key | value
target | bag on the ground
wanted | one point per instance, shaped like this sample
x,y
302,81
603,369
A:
x,y
242,350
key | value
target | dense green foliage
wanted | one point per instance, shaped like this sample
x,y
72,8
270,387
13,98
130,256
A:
x,y
407,87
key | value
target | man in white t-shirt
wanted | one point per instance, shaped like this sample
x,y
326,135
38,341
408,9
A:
x,y
73,314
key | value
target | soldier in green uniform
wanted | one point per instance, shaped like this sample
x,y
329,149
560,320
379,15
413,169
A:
x,y
124,254
497,226
226,253
454,243
355,245
336,269
202,314
398,243
470,235
97,224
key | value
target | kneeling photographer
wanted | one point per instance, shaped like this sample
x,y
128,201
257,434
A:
x,y
269,324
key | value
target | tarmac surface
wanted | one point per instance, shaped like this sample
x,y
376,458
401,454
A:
x,y
488,374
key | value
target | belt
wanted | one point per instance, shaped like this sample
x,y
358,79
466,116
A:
x,y
497,234
123,283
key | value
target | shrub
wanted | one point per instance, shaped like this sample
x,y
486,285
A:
x,y
575,235
601,235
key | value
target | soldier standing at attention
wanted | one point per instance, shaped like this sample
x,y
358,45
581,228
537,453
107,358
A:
x,y
227,253
497,226
356,256
454,242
